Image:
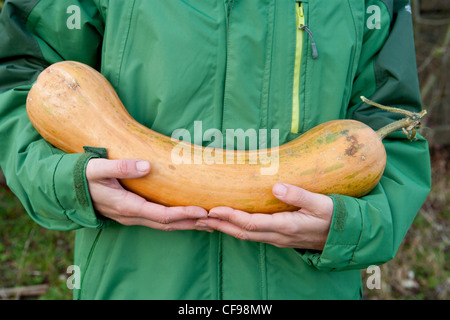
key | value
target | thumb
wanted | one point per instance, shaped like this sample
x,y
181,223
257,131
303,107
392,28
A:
x,y
302,198
119,169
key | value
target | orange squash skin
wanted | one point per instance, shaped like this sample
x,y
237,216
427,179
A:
x,y
72,105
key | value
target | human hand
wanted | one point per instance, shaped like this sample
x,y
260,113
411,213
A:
x,y
306,228
112,201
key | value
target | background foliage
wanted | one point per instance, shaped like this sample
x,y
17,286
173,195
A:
x,y
31,255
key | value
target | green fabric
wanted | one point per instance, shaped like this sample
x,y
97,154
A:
x,y
229,64
24,59
340,212
79,172
100,152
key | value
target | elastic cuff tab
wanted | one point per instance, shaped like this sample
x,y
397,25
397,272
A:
x,y
100,152
340,212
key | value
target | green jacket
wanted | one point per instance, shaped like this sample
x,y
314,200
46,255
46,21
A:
x,y
230,64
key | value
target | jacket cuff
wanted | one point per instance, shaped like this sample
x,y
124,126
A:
x,y
72,192
343,237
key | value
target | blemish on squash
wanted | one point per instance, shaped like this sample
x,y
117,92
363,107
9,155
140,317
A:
x,y
354,146
334,167
272,202
243,201
351,176
172,167
307,172
330,138
74,85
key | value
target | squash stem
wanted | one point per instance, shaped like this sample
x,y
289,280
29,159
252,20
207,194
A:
x,y
409,124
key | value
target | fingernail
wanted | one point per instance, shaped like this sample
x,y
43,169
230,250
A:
x,y
280,189
212,214
201,225
142,166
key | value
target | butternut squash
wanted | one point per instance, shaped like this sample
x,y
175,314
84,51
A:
x,y
72,105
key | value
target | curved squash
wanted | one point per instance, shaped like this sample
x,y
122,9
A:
x,y
72,105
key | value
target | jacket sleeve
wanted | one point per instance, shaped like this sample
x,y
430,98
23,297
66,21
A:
x,y
34,34
369,230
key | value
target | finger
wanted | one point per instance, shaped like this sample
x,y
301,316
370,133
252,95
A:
x,y
238,232
302,198
289,229
120,169
131,209
173,214
188,224
281,222
246,221
138,207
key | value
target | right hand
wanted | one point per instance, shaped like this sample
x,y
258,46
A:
x,y
112,201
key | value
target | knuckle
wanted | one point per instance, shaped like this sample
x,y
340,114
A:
x,y
242,235
122,167
298,195
250,226
164,218
289,229
168,228
123,209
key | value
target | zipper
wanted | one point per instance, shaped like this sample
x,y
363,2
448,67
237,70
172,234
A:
x,y
229,8
300,21
300,28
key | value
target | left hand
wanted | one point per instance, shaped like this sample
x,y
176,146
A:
x,y
306,228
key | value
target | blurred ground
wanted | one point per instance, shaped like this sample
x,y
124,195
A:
x,y
31,255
